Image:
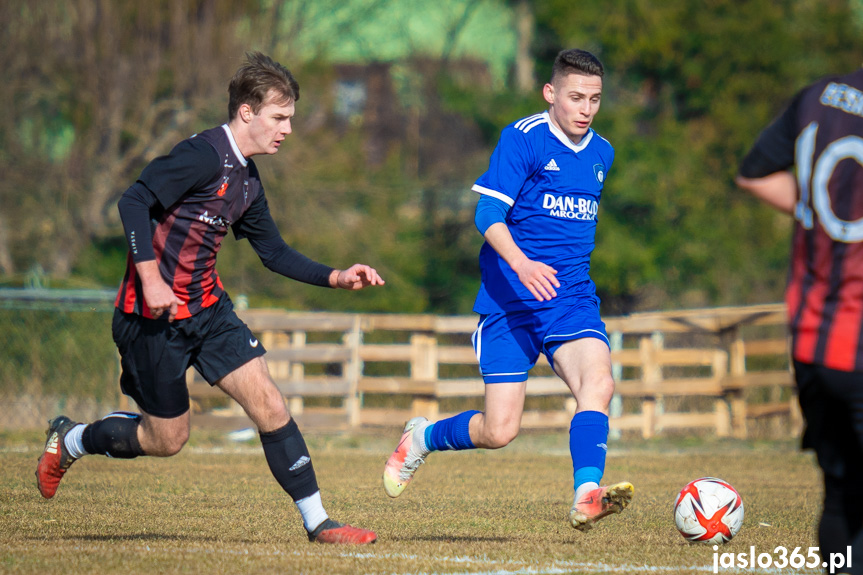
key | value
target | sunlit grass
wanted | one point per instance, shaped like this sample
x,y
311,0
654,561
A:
x,y
215,508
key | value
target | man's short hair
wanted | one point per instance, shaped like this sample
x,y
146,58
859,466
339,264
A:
x,y
576,61
254,80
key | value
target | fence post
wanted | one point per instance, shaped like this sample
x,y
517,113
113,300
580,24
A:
x,y
424,367
297,372
651,374
723,416
737,361
615,407
351,371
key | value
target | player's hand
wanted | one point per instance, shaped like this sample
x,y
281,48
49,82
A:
x,y
160,299
538,278
357,277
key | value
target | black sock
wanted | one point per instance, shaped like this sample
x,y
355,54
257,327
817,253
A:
x,y
115,435
289,460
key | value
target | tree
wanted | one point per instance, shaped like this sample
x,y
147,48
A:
x,y
688,87
114,82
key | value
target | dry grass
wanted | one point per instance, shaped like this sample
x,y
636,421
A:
x,y
215,509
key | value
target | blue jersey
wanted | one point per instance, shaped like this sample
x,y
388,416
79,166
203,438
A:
x,y
553,189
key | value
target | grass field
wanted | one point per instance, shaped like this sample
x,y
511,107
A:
x,y
215,508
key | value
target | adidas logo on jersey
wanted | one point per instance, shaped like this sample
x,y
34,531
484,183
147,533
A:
x,y
552,166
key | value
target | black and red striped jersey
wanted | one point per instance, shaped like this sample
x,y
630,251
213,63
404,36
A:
x,y
204,186
821,133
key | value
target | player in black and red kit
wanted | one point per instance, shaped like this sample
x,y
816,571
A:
x,y
821,134
172,311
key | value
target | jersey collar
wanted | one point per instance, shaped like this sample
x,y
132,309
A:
x,y
234,146
566,141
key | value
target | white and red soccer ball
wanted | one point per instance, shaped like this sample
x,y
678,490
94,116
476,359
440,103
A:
x,y
708,510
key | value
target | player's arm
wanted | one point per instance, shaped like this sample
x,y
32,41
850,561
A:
x,y
258,226
134,206
765,170
537,277
510,166
778,189
164,182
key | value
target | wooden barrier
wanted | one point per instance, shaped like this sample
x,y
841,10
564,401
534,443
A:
x,y
704,360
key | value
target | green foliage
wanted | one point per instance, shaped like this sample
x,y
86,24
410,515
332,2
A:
x,y
688,88
57,354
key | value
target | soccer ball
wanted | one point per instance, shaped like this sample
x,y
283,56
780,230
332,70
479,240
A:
x,y
708,510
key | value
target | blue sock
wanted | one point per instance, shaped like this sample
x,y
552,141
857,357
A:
x,y
588,435
450,434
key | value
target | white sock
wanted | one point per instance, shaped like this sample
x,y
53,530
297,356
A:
x,y
312,510
72,441
582,490
418,446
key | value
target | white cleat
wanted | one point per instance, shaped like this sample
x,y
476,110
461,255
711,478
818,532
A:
x,y
403,463
599,503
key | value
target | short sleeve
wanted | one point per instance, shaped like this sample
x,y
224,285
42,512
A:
x,y
773,151
191,165
511,165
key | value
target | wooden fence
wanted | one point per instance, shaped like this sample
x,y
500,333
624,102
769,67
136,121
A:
x,y
723,370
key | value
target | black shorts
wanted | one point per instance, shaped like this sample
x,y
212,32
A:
x,y
832,405
155,354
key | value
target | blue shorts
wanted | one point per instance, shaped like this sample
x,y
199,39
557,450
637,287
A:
x,y
507,345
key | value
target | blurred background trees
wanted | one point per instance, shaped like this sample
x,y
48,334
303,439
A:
x,y
401,106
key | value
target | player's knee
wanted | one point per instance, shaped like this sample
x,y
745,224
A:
x,y
175,444
603,389
502,435
167,444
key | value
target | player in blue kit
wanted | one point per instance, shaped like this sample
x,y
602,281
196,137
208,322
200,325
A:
x,y
537,211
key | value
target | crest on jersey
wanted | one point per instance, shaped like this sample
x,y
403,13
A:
x,y
599,172
223,188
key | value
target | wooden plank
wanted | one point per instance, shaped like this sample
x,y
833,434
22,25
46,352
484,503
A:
x,y
473,387
311,353
403,385
456,354
555,419
676,386
219,422
280,320
456,324
783,378
687,356
314,388
766,347
768,409
627,421
670,420
627,357
385,352
691,386
384,416
710,320
399,322
289,388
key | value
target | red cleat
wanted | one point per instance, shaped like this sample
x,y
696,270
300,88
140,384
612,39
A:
x,y
341,534
55,460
